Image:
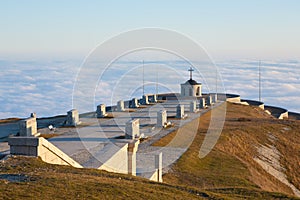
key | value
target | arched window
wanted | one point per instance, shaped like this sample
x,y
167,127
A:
x,y
190,92
198,91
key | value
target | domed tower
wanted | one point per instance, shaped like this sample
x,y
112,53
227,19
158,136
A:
x,y
191,88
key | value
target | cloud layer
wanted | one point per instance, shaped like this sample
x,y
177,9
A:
x,y
47,87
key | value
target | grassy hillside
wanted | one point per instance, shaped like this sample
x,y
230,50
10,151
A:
x,y
228,172
230,168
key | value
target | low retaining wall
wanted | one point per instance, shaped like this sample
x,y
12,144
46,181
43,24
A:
x,y
117,162
277,112
293,115
40,147
233,98
254,103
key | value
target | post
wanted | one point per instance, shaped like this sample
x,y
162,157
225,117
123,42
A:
x,y
120,106
101,111
180,111
134,103
132,129
73,118
158,166
202,103
145,100
161,118
28,127
193,106
208,100
132,149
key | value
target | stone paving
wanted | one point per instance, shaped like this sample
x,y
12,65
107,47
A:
x,y
94,141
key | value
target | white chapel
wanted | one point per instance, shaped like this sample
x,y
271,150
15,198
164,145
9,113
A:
x,y
191,88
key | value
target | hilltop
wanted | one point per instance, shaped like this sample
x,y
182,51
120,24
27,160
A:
x,y
251,142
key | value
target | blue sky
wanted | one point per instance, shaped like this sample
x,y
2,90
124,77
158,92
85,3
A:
x,y
258,29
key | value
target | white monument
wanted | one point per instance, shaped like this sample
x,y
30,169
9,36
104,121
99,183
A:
x,y
153,98
145,100
214,98
193,106
191,88
202,103
101,111
158,167
28,127
72,118
180,111
120,106
161,118
208,100
132,129
134,103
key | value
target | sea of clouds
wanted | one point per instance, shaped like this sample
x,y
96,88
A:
x,y
46,87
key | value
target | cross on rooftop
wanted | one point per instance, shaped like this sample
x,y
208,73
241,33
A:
x,y
191,73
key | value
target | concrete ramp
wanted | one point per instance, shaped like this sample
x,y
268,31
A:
x,y
40,147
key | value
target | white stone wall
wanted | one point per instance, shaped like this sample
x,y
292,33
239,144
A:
x,y
132,129
28,127
40,147
118,163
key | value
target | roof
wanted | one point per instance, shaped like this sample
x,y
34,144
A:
x,y
192,82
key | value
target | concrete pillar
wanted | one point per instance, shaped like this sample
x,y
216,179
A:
x,y
202,103
161,118
132,149
208,100
28,127
72,118
214,98
120,106
153,98
101,111
134,103
158,166
180,111
145,100
132,129
193,106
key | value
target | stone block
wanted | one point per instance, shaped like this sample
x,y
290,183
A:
x,y
180,111
193,106
132,129
145,100
161,118
153,98
72,118
120,106
28,127
101,111
214,98
158,166
202,104
208,100
134,103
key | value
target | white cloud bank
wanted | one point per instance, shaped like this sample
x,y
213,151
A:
x,y
46,88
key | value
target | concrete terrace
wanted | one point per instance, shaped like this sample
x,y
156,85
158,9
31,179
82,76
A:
x,y
95,141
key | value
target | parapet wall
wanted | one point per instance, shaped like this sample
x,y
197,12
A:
x,y
233,98
40,147
277,112
118,161
254,103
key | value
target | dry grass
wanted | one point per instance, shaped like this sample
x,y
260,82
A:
x,y
39,180
9,120
228,172
230,166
